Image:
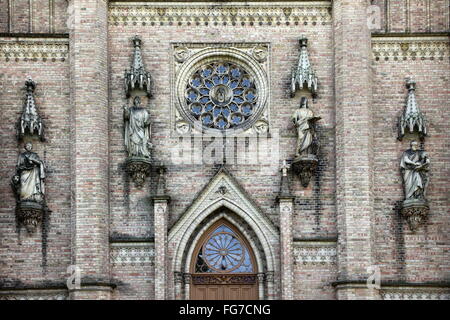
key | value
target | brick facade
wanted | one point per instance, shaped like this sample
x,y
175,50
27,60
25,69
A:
x,y
344,222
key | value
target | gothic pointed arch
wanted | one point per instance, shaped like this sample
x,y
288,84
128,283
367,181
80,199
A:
x,y
223,265
224,198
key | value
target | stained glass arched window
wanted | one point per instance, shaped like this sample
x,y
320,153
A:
x,y
221,95
223,251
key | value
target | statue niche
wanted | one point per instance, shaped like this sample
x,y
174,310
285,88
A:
x,y
29,189
137,140
305,161
414,167
138,83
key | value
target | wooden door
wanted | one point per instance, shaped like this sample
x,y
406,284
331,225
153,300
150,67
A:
x,y
223,266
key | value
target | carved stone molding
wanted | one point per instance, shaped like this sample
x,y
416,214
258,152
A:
x,y
315,253
253,14
137,80
30,122
270,276
410,48
415,212
223,279
132,253
305,167
34,49
412,119
178,277
304,76
139,169
30,214
187,277
11,295
415,294
161,207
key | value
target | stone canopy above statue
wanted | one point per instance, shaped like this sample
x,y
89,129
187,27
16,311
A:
x,y
303,75
412,120
30,122
137,80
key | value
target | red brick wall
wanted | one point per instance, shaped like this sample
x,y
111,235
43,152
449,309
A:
x,y
97,109
422,256
423,18
21,256
40,18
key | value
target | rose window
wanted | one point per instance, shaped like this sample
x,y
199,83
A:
x,y
224,251
221,95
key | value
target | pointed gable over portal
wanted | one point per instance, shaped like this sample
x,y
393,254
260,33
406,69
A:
x,y
223,191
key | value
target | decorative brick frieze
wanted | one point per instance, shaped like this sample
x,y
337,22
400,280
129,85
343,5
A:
x,y
132,253
32,49
33,295
415,294
252,14
315,253
410,48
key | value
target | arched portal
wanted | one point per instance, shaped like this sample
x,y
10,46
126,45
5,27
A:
x,y
223,265
223,198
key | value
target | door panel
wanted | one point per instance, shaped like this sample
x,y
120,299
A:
x,y
223,265
224,292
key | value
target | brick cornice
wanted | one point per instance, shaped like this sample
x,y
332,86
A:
x,y
398,47
33,48
33,35
220,13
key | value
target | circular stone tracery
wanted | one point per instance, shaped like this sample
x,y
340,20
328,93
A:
x,y
221,95
223,252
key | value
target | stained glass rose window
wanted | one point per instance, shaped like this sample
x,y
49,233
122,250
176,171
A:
x,y
221,95
224,251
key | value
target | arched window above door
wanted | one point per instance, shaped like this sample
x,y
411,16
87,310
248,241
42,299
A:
x,y
223,251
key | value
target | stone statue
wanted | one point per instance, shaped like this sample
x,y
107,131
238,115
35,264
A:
x,y
414,166
30,175
305,161
29,189
137,130
304,121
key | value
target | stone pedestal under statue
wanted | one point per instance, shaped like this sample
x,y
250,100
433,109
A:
x,y
415,212
30,214
304,166
138,168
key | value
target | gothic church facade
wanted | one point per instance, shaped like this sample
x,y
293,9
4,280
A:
x,y
224,150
